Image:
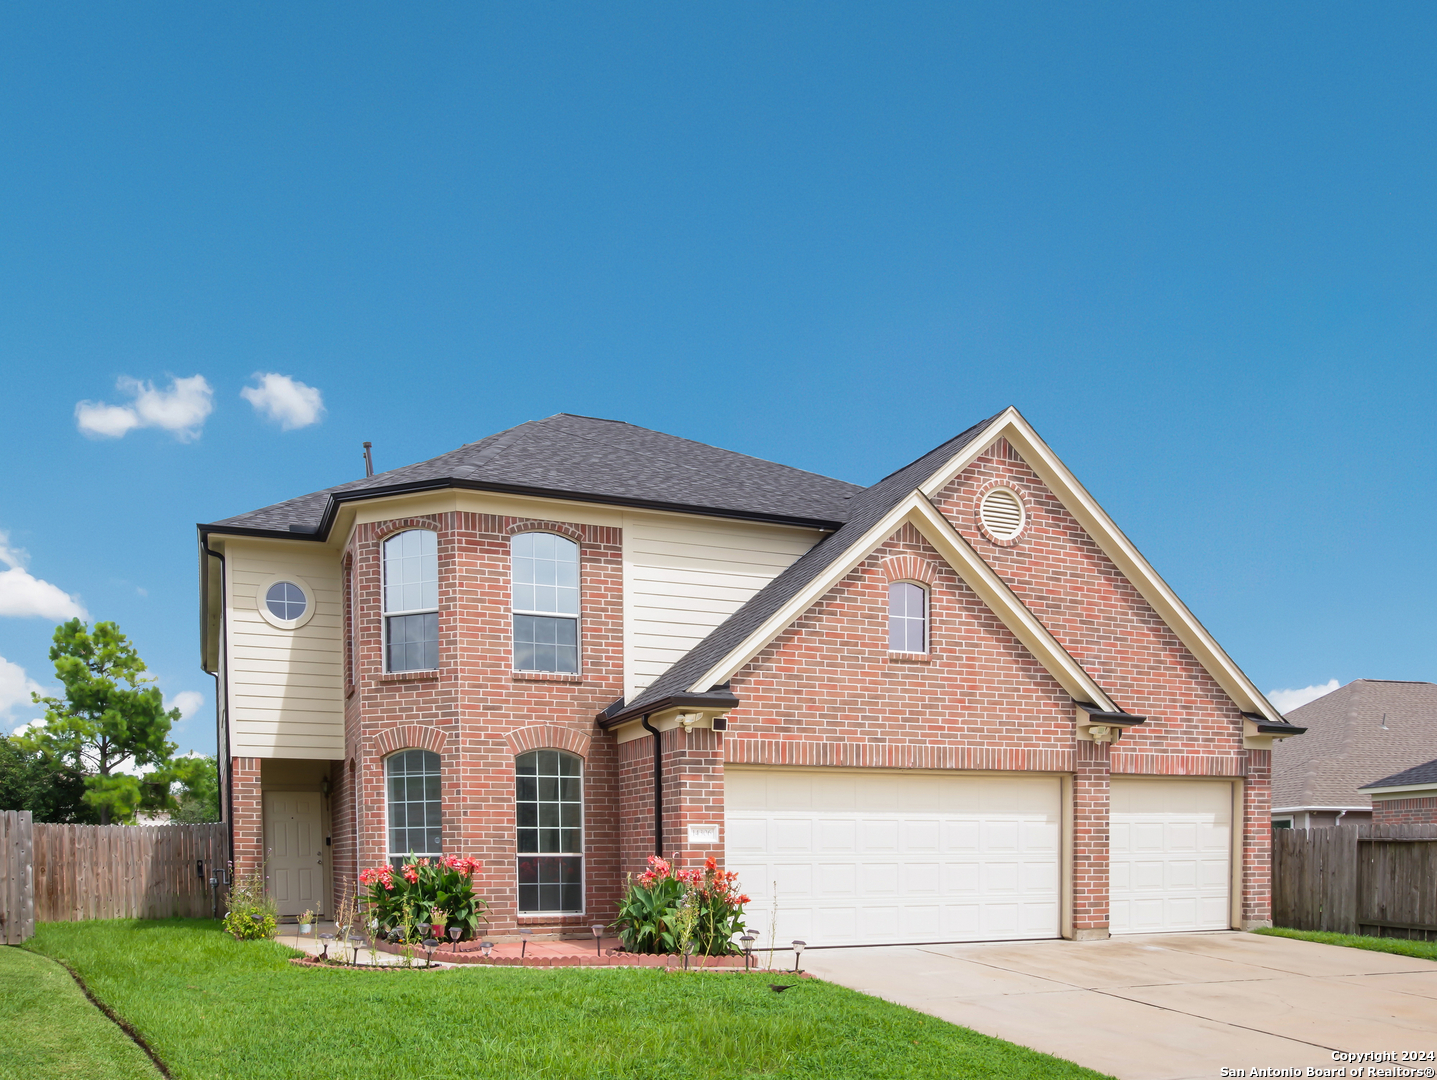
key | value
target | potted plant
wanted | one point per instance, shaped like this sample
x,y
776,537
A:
x,y
438,920
306,922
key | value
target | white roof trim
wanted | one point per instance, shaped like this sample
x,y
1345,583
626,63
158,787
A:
x,y
977,574
1313,809
1430,785
1094,519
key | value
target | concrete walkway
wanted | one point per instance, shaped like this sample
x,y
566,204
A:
x,y
1161,1007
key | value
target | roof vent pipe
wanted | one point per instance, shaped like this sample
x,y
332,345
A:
x,y
368,460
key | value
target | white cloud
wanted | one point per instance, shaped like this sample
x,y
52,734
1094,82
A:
x,y
22,595
1287,700
287,400
15,688
187,701
181,409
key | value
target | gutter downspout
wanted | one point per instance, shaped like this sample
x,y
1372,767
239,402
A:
x,y
658,787
223,709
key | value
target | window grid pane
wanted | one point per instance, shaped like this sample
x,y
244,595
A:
x,y
544,644
285,600
545,573
907,618
415,810
411,571
413,642
549,825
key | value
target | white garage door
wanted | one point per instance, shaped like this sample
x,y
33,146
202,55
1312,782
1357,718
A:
x,y
1170,855
860,856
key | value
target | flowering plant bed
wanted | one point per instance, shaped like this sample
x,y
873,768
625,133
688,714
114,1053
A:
x,y
666,910
425,895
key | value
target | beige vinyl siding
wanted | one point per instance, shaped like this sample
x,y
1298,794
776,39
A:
x,y
684,576
286,686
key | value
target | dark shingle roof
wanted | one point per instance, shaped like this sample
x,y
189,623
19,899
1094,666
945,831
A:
x,y
1347,745
594,460
867,510
1426,773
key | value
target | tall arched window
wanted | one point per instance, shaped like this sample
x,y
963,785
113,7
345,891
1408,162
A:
x,y
549,814
415,822
907,617
411,601
545,572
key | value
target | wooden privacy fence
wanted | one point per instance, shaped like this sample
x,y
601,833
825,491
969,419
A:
x,y
60,873
1379,880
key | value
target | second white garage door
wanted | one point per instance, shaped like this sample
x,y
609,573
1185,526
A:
x,y
857,856
1171,855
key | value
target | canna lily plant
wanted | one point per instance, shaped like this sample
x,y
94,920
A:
x,y
442,888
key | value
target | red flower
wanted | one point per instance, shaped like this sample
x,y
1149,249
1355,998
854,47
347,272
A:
x,y
710,864
410,874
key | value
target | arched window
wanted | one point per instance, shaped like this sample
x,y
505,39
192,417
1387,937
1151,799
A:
x,y
549,814
411,601
907,617
545,572
412,780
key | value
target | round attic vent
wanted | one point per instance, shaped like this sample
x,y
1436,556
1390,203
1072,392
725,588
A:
x,y
1002,514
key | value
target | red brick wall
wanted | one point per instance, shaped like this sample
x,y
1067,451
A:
x,y
1090,839
477,713
1405,812
1257,840
248,811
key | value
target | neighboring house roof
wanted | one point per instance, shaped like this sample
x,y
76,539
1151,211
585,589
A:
x,y
580,457
1424,775
1349,745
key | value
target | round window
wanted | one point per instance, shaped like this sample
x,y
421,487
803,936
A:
x,y
285,601
1002,513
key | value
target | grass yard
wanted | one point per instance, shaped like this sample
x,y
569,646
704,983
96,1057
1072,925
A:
x,y
49,1029
1423,950
214,1007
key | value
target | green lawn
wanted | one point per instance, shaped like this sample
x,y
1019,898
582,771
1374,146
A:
x,y
214,1007
1423,950
49,1029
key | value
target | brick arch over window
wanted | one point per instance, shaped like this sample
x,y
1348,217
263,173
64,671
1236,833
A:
x,y
398,525
909,568
410,737
548,737
534,525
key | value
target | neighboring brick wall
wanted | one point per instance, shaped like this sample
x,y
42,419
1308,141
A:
x,y
1404,812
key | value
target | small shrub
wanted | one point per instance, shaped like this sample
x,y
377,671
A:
x,y
425,887
251,912
664,909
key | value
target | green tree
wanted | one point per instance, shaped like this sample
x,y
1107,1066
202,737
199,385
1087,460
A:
x,y
109,715
198,782
51,790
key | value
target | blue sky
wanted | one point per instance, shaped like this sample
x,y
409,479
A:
x,y
1194,245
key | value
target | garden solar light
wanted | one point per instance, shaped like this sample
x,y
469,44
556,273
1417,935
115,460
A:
x,y
797,953
747,940
355,941
326,938
486,946
598,930
430,944
454,934
524,942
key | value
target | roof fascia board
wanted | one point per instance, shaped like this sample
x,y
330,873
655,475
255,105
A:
x,y
1095,520
1313,809
334,502
977,574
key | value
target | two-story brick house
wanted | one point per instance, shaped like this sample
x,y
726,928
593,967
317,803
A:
x,y
955,705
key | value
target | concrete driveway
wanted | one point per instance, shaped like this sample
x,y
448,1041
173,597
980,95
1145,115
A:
x,y
1161,1007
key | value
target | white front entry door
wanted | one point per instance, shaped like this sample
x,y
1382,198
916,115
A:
x,y
868,856
294,843
1170,855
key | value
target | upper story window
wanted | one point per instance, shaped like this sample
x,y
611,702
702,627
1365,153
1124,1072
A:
x,y
545,571
413,797
285,602
907,617
411,601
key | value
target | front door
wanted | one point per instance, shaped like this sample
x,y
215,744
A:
x,y
294,841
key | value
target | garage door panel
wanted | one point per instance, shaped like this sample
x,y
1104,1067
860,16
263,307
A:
x,y
918,858
1170,855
